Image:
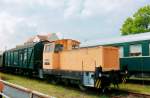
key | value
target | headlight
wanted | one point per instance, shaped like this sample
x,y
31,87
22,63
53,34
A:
x,y
100,75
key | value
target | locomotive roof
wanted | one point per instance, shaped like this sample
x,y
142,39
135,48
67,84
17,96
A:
x,y
118,40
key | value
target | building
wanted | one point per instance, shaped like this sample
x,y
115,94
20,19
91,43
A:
x,y
47,37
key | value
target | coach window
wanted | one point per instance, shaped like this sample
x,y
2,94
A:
x,y
121,51
136,50
12,58
149,48
8,58
15,58
25,56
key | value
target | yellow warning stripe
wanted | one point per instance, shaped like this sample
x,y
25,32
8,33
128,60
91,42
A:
x,y
98,83
124,79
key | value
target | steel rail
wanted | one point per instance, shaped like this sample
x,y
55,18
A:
x,y
33,94
3,95
132,93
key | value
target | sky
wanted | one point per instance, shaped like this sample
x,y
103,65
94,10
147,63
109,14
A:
x,y
82,20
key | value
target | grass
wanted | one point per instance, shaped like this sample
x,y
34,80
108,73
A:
x,y
58,91
135,78
136,88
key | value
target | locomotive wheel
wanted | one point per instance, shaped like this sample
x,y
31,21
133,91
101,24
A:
x,y
66,82
54,81
104,89
82,87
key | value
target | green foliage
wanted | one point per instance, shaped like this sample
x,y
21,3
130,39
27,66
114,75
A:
x,y
139,23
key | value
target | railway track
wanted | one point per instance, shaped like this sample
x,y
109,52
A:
x,y
142,81
112,93
140,95
130,94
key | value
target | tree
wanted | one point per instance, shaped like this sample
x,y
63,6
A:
x,y
138,23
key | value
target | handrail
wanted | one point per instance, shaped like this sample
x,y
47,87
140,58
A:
x,y
3,95
19,89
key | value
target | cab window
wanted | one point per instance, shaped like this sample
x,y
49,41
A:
x,y
49,48
58,47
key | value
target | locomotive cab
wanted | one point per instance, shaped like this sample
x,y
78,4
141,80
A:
x,y
51,58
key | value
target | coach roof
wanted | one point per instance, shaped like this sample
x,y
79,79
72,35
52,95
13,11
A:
x,y
117,40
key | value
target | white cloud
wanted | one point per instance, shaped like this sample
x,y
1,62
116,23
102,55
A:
x,y
8,23
92,8
9,30
27,3
20,19
73,8
7,27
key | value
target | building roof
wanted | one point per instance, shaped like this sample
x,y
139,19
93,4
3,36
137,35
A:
x,y
47,37
121,39
38,38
